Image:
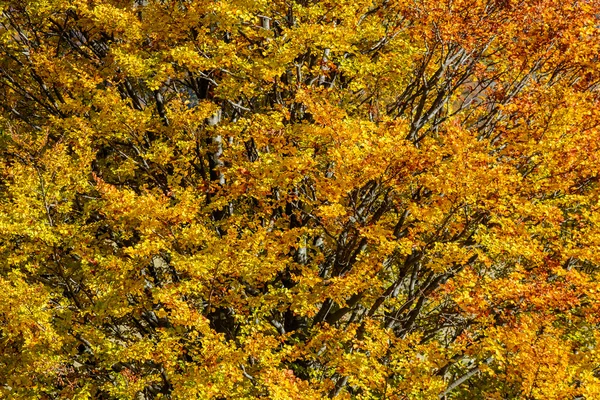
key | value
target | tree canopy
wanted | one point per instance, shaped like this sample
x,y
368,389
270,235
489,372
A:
x,y
299,199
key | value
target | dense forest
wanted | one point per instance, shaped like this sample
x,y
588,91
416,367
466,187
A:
x,y
300,199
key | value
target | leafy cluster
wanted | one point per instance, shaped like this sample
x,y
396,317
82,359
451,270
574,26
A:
x,y
299,199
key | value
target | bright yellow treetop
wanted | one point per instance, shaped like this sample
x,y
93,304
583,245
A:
x,y
300,199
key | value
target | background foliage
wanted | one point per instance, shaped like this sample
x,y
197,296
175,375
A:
x,y
297,199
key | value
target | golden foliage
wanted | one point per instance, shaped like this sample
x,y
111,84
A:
x,y
299,199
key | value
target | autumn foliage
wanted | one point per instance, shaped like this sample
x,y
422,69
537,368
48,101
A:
x,y
300,199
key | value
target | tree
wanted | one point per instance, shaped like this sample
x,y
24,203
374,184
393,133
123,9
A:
x,y
297,199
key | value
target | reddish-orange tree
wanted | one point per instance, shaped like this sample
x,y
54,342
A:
x,y
299,199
